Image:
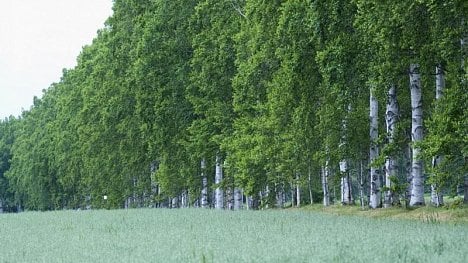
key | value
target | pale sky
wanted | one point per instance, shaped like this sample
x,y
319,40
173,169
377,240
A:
x,y
38,38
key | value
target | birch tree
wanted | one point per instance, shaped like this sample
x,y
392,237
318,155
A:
x,y
204,188
391,118
417,180
219,194
374,201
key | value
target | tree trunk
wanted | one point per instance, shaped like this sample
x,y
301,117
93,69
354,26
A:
x,y
237,199
279,195
391,118
465,197
175,202
298,191
346,191
437,199
326,192
417,182
204,191
293,193
184,199
310,186
218,179
230,199
409,176
374,201
361,185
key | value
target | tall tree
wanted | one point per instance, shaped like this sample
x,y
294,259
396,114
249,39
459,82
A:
x,y
213,27
374,201
256,62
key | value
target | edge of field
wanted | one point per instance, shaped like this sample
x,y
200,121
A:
x,y
428,214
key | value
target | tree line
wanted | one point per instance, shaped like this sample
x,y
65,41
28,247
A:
x,y
250,103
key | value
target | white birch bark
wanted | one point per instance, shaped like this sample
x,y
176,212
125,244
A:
x,y
465,197
374,201
298,191
437,199
279,196
292,189
311,198
417,182
219,194
346,192
184,199
230,198
326,192
175,202
237,199
204,191
391,118
346,196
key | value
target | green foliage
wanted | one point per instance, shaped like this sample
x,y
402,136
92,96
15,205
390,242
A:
x,y
276,89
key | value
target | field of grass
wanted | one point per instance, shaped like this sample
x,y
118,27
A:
x,y
196,235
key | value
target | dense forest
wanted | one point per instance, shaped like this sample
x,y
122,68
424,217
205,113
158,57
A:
x,y
251,103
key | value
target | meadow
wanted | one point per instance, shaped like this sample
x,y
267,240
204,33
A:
x,y
196,235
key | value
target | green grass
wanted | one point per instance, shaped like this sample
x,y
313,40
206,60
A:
x,y
196,235
447,214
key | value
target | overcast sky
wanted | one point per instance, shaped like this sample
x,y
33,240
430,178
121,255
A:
x,y
38,38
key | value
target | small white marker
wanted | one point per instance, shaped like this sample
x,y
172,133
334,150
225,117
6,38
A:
x,y
105,197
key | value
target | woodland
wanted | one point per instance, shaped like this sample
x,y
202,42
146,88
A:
x,y
235,104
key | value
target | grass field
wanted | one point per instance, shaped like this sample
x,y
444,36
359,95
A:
x,y
196,235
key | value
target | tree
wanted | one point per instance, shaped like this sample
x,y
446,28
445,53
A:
x,y
256,62
213,28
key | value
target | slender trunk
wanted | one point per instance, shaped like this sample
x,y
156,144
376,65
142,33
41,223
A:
x,y
374,201
183,199
265,197
346,198
218,179
409,175
298,191
175,202
230,199
391,118
417,190
310,186
279,195
204,191
346,192
437,199
465,186
361,185
326,193
1,206
237,199
293,193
